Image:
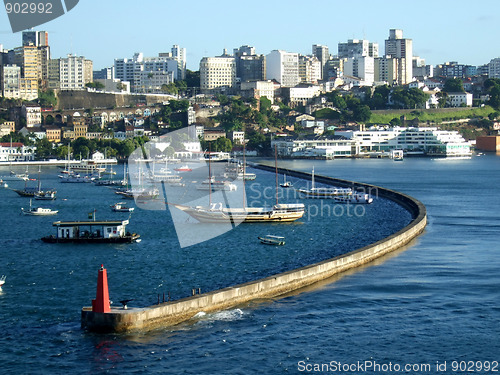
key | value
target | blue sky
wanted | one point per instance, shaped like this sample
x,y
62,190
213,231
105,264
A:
x,y
442,31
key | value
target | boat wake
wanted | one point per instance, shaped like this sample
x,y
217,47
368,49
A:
x,y
224,316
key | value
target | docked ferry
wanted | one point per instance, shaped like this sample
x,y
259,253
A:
x,y
113,231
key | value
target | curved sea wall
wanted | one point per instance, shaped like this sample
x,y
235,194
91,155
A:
x,y
173,312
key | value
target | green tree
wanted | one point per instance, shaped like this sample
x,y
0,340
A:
x,y
47,98
361,113
43,148
95,85
453,85
265,104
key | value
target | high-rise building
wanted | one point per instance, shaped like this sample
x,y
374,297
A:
x,y
401,49
356,47
362,67
36,38
35,41
322,54
10,81
218,74
283,67
174,61
309,69
70,73
249,65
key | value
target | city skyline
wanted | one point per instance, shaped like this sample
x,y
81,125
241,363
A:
x,y
440,33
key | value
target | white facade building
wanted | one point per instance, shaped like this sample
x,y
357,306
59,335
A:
x,y
301,95
459,99
11,82
256,89
16,152
217,74
70,73
283,67
173,62
430,141
494,68
310,69
32,114
362,67
314,148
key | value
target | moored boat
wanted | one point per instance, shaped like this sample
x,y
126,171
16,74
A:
x,y
355,198
184,168
121,207
38,211
216,213
272,240
323,192
2,281
108,231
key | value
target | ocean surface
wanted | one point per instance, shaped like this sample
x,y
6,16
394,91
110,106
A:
x,y
432,307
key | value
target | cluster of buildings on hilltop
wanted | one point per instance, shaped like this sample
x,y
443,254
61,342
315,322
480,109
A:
x,y
29,68
295,77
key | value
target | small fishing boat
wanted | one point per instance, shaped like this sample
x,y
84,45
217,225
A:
x,y
355,198
121,207
286,184
2,281
272,240
38,211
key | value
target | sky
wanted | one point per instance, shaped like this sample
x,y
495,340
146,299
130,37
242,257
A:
x,y
102,30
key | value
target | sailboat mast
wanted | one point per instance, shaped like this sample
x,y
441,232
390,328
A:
x,y
276,170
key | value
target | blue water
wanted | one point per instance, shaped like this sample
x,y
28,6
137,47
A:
x,y
435,301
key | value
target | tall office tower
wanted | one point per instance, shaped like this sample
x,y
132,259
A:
x,y
40,40
322,54
249,65
401,49
179,55
356,47
36,38
310,70
218,74
283,67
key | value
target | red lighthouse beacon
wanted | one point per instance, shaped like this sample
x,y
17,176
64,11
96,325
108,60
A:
x,y
101,302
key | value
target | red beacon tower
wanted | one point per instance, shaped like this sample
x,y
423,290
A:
x,y
101,302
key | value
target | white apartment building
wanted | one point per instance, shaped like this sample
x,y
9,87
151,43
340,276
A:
x,y
218,74
459,99
173,61
16,152
314,148
151,81
301,95
70,73
11,82
283,67
32,114
256,89
362,67
494,68
411,140
310,69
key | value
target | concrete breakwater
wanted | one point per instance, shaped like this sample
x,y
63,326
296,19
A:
x,y
174,312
